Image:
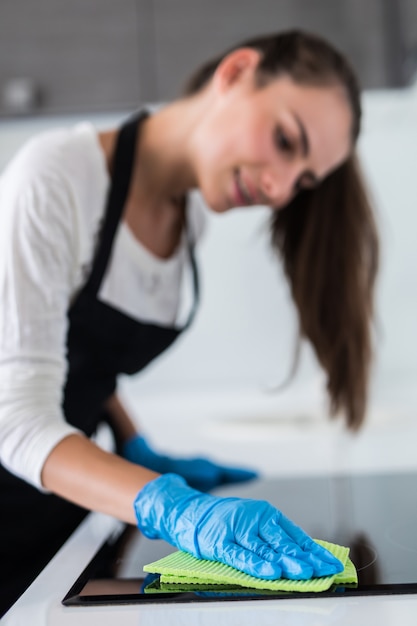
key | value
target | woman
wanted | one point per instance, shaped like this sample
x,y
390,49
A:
x,y
92,224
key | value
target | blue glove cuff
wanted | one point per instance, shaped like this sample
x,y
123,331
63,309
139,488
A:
x,y
164,504
149,504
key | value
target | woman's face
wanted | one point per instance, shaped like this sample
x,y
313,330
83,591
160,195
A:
x,y
260,146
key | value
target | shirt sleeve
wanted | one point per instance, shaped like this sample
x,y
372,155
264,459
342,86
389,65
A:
x,y
38,261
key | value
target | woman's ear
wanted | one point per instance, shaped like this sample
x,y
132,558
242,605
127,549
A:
x,y
237,66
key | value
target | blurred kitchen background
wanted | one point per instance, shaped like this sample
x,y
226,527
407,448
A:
x,y
215,392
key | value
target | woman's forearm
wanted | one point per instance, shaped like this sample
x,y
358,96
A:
x,y
79,471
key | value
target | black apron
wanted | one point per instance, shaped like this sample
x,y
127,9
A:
x,y
102,343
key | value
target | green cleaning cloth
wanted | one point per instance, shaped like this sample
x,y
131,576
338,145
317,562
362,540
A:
x,y
182,569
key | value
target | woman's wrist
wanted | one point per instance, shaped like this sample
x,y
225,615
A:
x,y
122,424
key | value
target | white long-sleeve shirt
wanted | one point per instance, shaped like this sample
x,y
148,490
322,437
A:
x,y
52,200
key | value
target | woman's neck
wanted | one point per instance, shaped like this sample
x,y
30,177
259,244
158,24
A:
x,y
164,169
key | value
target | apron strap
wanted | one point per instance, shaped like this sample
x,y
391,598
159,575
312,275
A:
x,y
123,162
122,172
196,284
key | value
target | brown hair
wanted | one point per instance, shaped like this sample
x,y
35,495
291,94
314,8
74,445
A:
x,y
326,236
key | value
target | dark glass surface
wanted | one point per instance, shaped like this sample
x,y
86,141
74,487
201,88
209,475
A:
x,y
375,515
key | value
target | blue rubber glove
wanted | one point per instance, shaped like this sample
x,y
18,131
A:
x,y
199,473
250,535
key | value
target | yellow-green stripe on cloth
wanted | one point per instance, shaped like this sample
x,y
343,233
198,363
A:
x,y
182,568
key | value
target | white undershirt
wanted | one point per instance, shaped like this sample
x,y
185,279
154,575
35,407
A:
x,y
52,199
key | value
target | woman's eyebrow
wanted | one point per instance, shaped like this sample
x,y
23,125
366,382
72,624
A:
x,y
304,138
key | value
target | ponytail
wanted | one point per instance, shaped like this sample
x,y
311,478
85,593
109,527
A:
x,y
328,243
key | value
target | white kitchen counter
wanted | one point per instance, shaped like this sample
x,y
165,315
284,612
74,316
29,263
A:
x,y
291,440
41,604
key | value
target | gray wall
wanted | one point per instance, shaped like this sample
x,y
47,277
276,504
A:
x,y
107,55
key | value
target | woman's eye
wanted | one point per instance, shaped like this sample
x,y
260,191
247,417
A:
x,y
304,185
282,141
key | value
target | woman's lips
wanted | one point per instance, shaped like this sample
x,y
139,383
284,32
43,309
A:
x,y
239,198
241,193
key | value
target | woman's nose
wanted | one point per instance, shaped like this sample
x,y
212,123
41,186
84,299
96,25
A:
x,y
278,185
